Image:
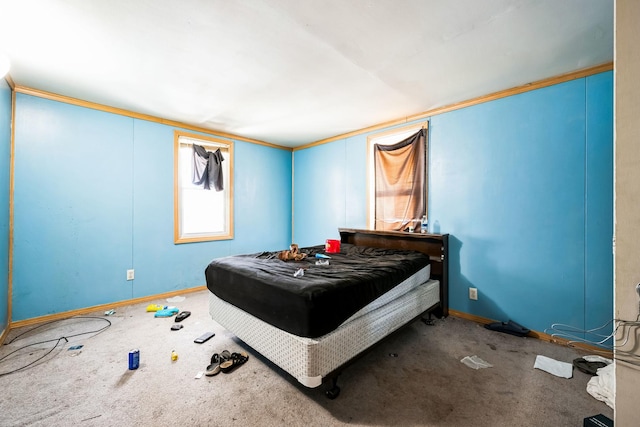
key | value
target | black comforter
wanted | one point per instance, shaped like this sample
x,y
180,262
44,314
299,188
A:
x,y
313,304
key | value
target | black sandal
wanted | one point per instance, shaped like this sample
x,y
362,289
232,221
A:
x,y
214,367
182,315
236,360
590,368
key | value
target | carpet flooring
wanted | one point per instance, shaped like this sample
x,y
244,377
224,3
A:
x,y
412,378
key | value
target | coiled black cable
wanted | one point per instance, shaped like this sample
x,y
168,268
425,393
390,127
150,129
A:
x,y
57,340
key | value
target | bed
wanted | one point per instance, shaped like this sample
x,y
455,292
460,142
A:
x,y
313,324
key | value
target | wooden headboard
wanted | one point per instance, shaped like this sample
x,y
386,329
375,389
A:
x,y
434,245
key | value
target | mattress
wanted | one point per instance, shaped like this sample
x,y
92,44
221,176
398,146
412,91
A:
x,y
317,302
309,360
407,285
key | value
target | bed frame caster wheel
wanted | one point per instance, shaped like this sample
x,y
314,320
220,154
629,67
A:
x,y
333,392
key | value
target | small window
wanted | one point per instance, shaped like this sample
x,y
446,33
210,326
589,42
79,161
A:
x,y
397,178
203,188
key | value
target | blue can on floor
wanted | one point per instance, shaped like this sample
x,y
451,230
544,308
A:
x,y
134,359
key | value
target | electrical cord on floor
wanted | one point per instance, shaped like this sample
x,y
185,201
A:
x,y
568,332
57,340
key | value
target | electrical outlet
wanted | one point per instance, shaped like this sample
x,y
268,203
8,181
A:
x,y
130,274
473,294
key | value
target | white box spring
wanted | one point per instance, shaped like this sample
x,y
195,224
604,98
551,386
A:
x,y
311,359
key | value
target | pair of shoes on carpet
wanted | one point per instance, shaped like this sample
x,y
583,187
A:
x,y
225,362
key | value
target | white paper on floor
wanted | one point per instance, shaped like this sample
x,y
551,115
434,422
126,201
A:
x,y
554,367
475,362
176,299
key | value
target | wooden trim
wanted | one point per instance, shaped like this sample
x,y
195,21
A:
x,y
120,111
473,101
353,133
399,129
176,190
10,82
472,317
535,334
7,327
87,310
12,185
4,334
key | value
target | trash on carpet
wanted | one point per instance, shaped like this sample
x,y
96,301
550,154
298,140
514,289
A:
x,y
75,350
134,359
176,299
199,375
554,367
603,385
299,273
474,362
110,312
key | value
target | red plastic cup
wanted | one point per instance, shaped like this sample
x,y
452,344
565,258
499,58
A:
x,y
332,246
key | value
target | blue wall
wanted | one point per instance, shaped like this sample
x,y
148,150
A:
x,y
94,197
5,156
599,202
523,185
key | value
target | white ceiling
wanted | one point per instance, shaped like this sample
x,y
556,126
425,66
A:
x,y
291,72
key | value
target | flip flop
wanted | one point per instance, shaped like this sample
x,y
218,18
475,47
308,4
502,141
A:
x,y
214,367
167,312
225,355
182,315
590,368
509,327
236,360
155,307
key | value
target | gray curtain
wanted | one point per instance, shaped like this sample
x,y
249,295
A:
x,y
207,168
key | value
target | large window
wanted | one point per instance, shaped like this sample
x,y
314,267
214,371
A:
x,y
203,188
397,178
